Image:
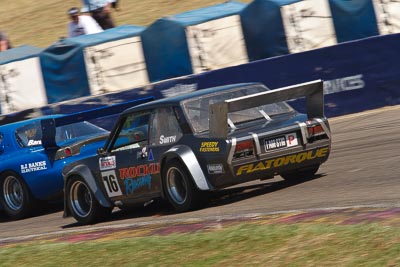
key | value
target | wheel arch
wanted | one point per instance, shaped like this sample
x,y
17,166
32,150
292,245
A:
x,y
84,172
187,157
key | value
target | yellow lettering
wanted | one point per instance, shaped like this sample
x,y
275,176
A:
x,y
279,161
310,155
209,147
246,168
291,159
301,157
268,163
209,144
296,158
322,152
259,167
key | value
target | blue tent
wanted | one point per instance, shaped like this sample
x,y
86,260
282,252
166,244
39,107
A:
x,y
64,67
354,19
263,28
20,75
265,32
19,53
165,42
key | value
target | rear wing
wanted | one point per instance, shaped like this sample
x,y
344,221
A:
x,y
313,91
49,125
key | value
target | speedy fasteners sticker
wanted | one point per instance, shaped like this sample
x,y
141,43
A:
x,y
283,161
209,147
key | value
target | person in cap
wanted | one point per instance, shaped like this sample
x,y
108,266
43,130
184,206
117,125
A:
x,y
4,42
81,24
100,11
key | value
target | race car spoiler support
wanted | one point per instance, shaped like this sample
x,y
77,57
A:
x,y
313,91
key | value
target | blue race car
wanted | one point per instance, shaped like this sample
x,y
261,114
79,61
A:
x,y
33,153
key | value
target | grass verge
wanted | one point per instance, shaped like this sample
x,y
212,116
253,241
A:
x,y
240,245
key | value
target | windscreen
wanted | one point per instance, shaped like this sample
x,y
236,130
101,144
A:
x,y
197,113
80,130
31,134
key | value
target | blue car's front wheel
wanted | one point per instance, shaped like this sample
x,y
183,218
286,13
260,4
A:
x,y
15,198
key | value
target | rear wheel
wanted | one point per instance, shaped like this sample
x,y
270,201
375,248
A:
x,y
83,204
179,188
300,174
16,197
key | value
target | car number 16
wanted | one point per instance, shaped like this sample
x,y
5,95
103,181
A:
x,y
111,183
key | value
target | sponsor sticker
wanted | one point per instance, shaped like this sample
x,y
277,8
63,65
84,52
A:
x,y
139,171
282,161
132,185
150,157
291,139
107,163
34,142
34,166
215,168
209,147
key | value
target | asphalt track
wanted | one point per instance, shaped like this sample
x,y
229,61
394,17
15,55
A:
x,y
363,171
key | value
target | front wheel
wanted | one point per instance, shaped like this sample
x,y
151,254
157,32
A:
x,y
83,204
16,197
179,188
301,174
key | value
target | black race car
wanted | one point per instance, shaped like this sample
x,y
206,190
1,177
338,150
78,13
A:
x,y
180,147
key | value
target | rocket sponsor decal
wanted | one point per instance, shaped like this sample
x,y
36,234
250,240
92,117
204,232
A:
x,y
131,185
136,177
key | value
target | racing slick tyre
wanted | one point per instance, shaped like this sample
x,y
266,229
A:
x,y
82,203
16,198
179,187
301,174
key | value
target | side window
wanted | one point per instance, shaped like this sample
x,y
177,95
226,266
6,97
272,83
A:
x,y
134,132
29,135
165,127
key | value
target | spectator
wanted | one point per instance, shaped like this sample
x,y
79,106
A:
x,y
100,11
81,24
4,42
115,4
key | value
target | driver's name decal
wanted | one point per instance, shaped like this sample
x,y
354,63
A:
x,y
167,139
